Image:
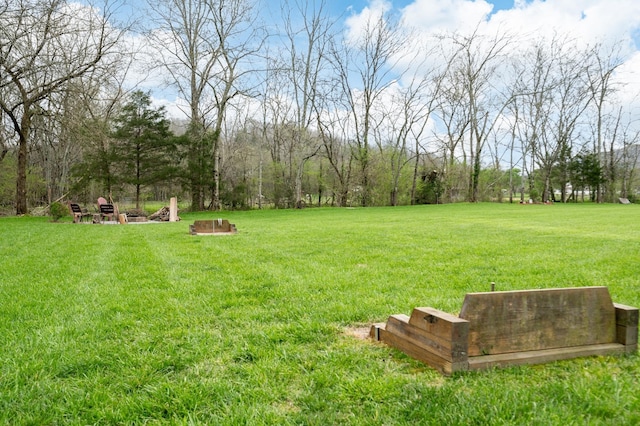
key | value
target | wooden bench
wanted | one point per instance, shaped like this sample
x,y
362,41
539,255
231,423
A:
x,y
210,227
503,328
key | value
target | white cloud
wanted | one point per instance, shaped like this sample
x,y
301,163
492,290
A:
x,y
588,20
445,15
357,22
175,109
628,77
586,23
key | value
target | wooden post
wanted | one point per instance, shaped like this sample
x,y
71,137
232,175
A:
x,y
173,210
627,326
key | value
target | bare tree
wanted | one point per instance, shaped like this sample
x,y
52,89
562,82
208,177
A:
x,y
603,63
99,96
242,154
403,120
306,53
186,46
476,69
570,99
451,108
239,39
428,89
277,116
205,47
52,144
71,139
368,58
334,128
4,137
514,110
630,157
534,86
46,45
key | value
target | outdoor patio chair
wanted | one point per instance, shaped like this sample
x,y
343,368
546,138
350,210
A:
x,y
107,211
78,213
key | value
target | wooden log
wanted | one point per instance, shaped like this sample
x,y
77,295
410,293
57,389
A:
x,y
162,214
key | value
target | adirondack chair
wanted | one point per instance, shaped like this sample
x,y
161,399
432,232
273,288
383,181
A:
x,y
78,213
106,210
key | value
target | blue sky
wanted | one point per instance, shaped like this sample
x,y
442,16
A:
x,y
355,6
359,4
501,5
337,7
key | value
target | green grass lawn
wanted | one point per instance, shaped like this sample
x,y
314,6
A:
x,y
132,324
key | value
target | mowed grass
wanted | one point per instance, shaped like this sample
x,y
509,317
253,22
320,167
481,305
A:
x,y
141,324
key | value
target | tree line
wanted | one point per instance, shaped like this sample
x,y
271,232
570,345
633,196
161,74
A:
x,y
303,111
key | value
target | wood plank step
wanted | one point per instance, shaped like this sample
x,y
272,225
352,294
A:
x,y
544,355
417,352
448,349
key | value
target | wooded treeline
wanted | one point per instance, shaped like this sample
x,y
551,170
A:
x,y
304,111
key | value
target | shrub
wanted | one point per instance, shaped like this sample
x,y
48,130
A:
x,y
57,211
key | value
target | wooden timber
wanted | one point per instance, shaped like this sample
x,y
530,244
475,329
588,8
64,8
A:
x,y
503,328
212,227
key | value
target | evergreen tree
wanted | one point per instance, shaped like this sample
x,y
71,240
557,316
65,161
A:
x,y
145,147
586,172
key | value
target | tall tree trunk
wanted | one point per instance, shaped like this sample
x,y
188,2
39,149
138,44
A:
x,y
21,182
215,191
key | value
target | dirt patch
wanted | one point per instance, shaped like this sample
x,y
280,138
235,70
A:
x,y
359,331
